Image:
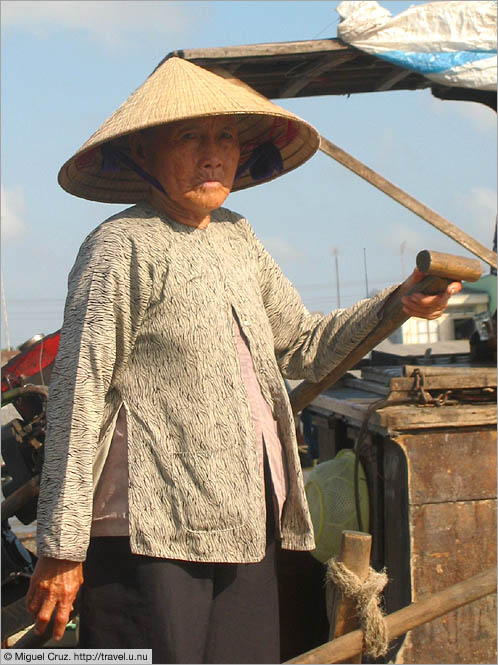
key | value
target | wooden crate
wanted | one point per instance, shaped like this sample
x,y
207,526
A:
x,y
432,480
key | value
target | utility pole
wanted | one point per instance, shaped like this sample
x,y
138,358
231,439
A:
x,y
365,265
4,308
335,252
402,248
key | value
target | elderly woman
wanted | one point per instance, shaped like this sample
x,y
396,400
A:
x,y
171,468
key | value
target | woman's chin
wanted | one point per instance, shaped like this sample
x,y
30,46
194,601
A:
x,y
210,195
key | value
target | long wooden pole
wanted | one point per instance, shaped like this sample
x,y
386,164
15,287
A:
x,y
19,497
408,201
440,270
31,640
429,608
393,317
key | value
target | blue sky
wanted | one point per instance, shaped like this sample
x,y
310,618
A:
x,y
67,65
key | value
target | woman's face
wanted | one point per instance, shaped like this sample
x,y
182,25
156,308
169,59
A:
x,y
195,161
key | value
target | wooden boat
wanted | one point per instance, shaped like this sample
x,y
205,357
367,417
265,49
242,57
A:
x,y
431,468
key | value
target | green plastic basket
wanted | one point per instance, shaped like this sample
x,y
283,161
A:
x,y
330,493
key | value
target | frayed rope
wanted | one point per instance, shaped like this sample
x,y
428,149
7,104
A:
x,y
366,595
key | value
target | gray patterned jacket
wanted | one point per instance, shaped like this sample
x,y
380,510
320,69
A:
x,y
148,324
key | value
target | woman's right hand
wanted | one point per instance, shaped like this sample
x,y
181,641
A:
x,y
53,587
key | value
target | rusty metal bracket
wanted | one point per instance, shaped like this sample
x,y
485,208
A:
x,y
423,397
32,433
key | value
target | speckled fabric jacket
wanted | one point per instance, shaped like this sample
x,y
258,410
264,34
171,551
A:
x,y
148,324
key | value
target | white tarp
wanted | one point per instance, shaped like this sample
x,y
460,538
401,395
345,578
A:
x,y
452,43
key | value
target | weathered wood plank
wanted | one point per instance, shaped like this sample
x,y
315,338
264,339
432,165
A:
x,y
448,468
264,50
440,525
456,370
401,418
363,384
405,418
391,376
15,617
450,540
20,497
380,374
345,407
446,381
328,62
444,640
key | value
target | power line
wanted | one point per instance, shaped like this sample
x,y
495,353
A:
x,y
24,301
326,27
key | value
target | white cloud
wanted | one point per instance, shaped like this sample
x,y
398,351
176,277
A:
x,y
402,242
281,249
109,21
401,237
480,205
12,213
482,117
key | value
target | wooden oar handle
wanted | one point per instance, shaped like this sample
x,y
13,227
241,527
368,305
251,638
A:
x,y
449,266
440,269
392,318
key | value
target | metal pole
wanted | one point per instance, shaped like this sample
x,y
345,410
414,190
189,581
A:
x,y
337,278
365,266
402,250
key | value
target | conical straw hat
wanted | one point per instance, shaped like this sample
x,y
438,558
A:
x,y
179,90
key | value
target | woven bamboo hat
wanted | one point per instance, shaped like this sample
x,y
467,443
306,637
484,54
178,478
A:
x,y
272,140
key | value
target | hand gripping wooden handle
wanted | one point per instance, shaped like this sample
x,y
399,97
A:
x,y
440,269
449,266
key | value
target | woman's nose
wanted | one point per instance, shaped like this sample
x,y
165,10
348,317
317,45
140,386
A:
x,y
211,154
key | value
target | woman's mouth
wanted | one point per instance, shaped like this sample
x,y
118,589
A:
x,y
210,183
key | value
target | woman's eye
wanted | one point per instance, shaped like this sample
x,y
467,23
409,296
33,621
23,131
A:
x,y
188,136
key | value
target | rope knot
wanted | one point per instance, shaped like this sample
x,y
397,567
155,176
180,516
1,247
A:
x,y
366,595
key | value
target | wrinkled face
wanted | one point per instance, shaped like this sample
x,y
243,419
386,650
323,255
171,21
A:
x,y
195,161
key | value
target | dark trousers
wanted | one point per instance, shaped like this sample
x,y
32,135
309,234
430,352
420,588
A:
x,y
186,612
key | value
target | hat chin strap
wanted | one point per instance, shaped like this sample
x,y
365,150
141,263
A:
x,y
111,157
262,164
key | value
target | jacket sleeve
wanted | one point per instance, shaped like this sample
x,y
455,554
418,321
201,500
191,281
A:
x,y
309,346
108,293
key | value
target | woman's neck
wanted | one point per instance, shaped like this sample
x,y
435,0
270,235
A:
x,y
162,203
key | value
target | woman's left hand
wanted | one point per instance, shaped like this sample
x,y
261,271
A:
x,y
424,306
